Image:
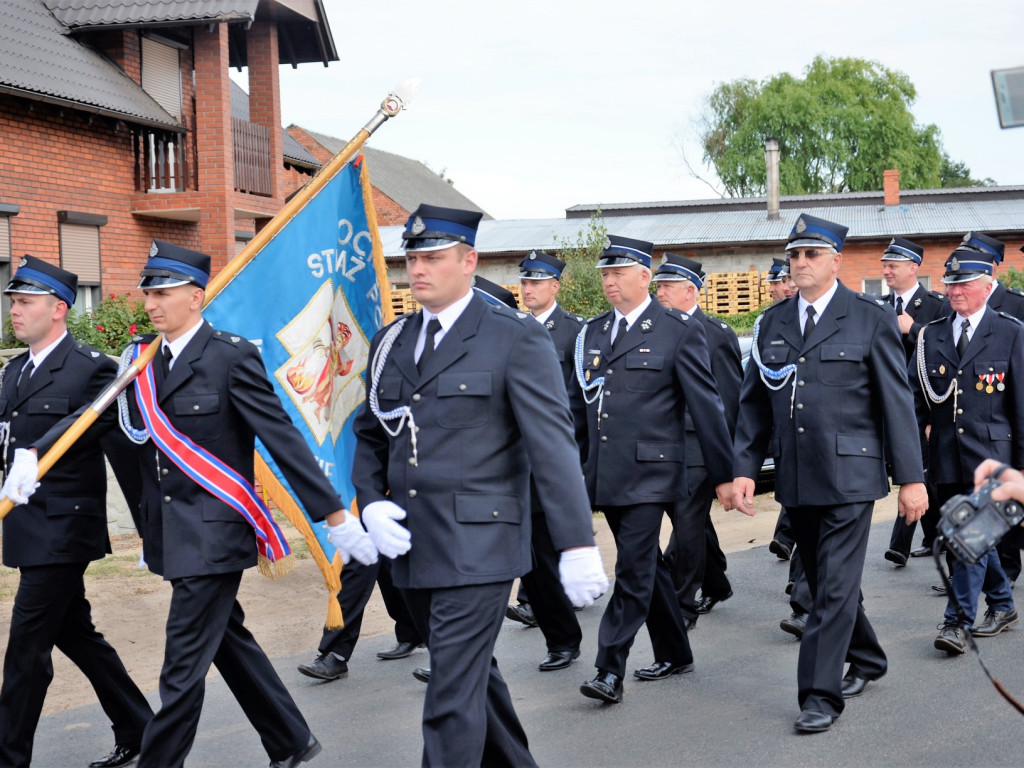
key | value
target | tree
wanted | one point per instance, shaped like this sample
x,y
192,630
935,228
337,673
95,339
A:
x,y
838,128
580,290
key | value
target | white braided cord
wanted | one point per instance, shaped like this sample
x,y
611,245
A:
x,y
402,413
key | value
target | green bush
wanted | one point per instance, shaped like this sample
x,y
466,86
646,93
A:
x,y
111,324
1012,278
580,290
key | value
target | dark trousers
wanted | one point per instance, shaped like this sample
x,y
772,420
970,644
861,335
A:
x,y
694,556
204,627
1009,549
468,718
800,599
551,607
50,609
833,543
356,588
902,538
642,592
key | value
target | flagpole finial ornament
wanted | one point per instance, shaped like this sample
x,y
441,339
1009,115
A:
x,y
401,97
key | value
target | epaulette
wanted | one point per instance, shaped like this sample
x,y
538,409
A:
x,y
678,314
144,338
937,295
570,316
1011,317
938,320
505,311
595,318
880,303
230,338
86,351
775,305
1016,291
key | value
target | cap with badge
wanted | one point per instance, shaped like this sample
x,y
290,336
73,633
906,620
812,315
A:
x,y
625,252
539,265
674,267
40,277
494,293
433,228
985,244
966,264
810,231
172,265
900,249
778,271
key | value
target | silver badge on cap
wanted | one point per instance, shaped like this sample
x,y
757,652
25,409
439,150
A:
x,y
607,242
153,250
801,225
533,254
967,238
22,263
954,264
418,227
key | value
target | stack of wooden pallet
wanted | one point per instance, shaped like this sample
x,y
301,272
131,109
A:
x,y
402,301
729,293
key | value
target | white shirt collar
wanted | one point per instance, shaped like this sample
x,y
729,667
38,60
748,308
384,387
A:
x,y
819,304
178,345
543,316
633,316
36,359
975,319
907,296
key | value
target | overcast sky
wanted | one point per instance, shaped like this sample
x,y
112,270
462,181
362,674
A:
x,y
531,107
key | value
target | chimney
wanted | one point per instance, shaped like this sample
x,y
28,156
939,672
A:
x,y
771,161
891,186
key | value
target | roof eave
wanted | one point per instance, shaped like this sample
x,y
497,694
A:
x,y
92,109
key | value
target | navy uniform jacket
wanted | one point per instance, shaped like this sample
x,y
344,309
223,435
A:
x,y
489,406
985,424
727,368
564,328
217,394
65,520
1007,301
924,306
636,447
851,392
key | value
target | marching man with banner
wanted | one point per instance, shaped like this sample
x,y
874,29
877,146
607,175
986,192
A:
x,y
463,400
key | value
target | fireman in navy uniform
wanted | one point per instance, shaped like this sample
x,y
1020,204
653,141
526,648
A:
x,y
696,559
828,374
915,307
464,402
640,366
214,390
52,536
541,597
969,391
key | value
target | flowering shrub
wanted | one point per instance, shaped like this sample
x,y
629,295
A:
x,y
111,324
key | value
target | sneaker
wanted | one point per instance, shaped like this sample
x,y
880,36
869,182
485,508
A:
x,y
995,622
950,638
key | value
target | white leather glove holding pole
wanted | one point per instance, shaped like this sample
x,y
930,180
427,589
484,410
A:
x,y
582,574
352,541
22,477
390,538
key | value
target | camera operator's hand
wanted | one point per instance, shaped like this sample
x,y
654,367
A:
x,y
1011,481
912,501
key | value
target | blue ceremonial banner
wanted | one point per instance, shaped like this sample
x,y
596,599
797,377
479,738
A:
x,y
311,301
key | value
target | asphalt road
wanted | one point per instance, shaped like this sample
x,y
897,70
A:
x,y
736,709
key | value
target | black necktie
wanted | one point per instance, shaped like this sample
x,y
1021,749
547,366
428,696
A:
x,y
623,327
167,360
24,376
899,305
961,343
428,344
809,324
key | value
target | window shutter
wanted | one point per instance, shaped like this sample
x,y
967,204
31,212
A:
x,y
161,75
5,238
80,252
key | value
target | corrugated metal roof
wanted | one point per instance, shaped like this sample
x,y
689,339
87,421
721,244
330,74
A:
x,y
38,61
407,182
76,14
1002,217
292,150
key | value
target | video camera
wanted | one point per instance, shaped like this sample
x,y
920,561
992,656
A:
x,y
973,524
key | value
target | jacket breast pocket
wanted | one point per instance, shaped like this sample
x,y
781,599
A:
x,y
841,364
643,372
659,451
389,392
49,406
990,373
463,399
489,532
193,412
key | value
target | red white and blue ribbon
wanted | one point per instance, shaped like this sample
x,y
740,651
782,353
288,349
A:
x,y
209,472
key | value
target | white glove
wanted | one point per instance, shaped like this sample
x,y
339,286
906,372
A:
x,y
582,574
21,477
349,538
390,538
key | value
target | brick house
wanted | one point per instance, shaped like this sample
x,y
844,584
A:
x,y
117,127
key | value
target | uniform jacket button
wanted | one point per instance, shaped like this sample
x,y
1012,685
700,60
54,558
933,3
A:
x,y
167,499
462,387
494,513
416,398
412,493
799,430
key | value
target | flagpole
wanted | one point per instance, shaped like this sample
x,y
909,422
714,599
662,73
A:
x,y
394,102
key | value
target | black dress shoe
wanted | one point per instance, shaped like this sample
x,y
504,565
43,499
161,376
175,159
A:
x,y
924,551
558,660
659,670
706,603
605,687
400,651
950,638
995,622
813,722
522,613
780,549
896,557
853,686
304,755
795,624
122,754
422,674
326,666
